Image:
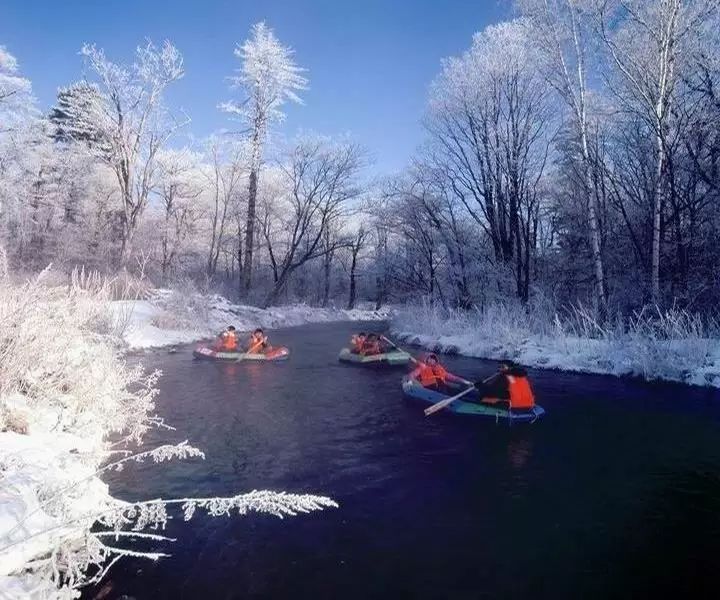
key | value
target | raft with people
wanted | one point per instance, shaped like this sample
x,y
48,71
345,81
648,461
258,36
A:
x,y
371,350
507,394
210,353
413,389
227,348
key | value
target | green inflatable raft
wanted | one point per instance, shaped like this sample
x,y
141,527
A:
x,y
393,358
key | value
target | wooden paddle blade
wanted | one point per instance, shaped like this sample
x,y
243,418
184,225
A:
x,y
443,403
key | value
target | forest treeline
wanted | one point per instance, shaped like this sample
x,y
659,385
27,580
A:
x,y
570,154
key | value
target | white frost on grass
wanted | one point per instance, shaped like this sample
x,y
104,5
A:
x,y
169,318
672,346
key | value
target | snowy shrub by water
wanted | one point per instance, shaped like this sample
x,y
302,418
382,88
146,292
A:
x,y
672,344
65,392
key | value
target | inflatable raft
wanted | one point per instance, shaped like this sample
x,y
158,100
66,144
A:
x,y
392,358
207,353
412,389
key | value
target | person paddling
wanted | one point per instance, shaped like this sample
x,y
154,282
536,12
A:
x,y
509,387
357,342
433,376
258,342
228,341
371,345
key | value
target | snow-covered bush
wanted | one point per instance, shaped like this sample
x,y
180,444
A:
x,y
673,344
184,306
64,391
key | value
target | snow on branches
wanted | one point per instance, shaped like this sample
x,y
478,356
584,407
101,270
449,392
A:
x,y
15,95
64,389
268,77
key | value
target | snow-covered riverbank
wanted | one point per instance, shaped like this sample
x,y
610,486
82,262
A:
x,y
65,392
168,318
653,349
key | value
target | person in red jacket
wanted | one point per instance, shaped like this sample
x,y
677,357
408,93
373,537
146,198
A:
x,y
510,387
432,375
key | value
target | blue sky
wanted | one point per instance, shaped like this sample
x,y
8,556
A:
x,y
369,62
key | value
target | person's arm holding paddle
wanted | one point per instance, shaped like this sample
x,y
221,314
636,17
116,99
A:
x,y
451,376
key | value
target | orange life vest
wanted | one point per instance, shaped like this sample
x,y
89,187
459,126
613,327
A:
x,y
228,340
357,344
429,376
521,395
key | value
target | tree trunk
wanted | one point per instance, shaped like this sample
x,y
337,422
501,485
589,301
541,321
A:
x,y
657,211
250,232
353,282
327,266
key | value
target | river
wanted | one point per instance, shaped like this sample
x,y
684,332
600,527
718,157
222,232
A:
x,y
615,493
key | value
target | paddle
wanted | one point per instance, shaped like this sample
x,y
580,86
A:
x,y
394,345
443,403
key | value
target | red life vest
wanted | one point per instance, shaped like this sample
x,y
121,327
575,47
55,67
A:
x,y
429,376
521,395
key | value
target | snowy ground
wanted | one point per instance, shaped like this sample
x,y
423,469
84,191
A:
x,y
693,360
167,319
35,465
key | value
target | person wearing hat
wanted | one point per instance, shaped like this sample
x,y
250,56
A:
x,y
509,387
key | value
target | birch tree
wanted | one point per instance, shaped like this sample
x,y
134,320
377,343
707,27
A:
x,y
561,31
648,43
267,78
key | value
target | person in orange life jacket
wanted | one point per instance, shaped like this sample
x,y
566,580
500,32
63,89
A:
x,y
371,345
432,375
357,342
258,342
509,388
227,340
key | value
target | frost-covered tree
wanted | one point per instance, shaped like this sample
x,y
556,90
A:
x,y
490,124
650,45
80,115
561,30
126,106
226,169
267,78
180,184
15,92
321,178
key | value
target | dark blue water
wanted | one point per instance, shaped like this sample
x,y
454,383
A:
x,y
614,494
